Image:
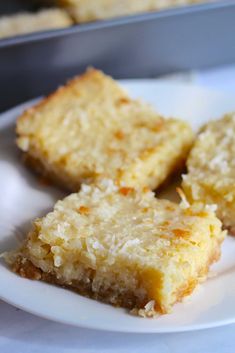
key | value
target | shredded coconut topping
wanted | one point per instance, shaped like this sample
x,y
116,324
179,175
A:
x,y
211,169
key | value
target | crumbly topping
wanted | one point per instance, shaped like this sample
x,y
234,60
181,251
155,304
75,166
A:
x,y
109,223
148,311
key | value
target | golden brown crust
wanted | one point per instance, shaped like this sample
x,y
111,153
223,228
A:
x,y
90,72
128,300
60,90
230,229
39,167
26,269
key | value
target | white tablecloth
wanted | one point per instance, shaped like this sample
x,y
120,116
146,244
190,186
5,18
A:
x,y
24,333
21,332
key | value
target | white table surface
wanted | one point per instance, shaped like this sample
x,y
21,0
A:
x,y
21,332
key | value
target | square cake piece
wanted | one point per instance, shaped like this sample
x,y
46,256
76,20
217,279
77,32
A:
x,y
91,129
211,169
122,246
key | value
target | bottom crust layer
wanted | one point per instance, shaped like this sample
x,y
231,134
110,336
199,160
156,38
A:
x,y
128,300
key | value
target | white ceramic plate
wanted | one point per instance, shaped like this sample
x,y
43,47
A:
x,y
23,198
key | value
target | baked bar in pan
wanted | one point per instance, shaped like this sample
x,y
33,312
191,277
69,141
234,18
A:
x,y
92,10
26,22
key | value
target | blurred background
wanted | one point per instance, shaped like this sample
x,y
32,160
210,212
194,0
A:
x,y
43,47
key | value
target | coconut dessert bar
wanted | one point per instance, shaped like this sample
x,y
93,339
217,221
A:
x,y
211,169
27,22
91,10
91,129
122,246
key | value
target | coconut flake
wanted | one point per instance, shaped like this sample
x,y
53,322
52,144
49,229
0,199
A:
x,y
211,208
150,305
184,202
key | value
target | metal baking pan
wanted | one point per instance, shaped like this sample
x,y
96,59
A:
x,y
145,45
